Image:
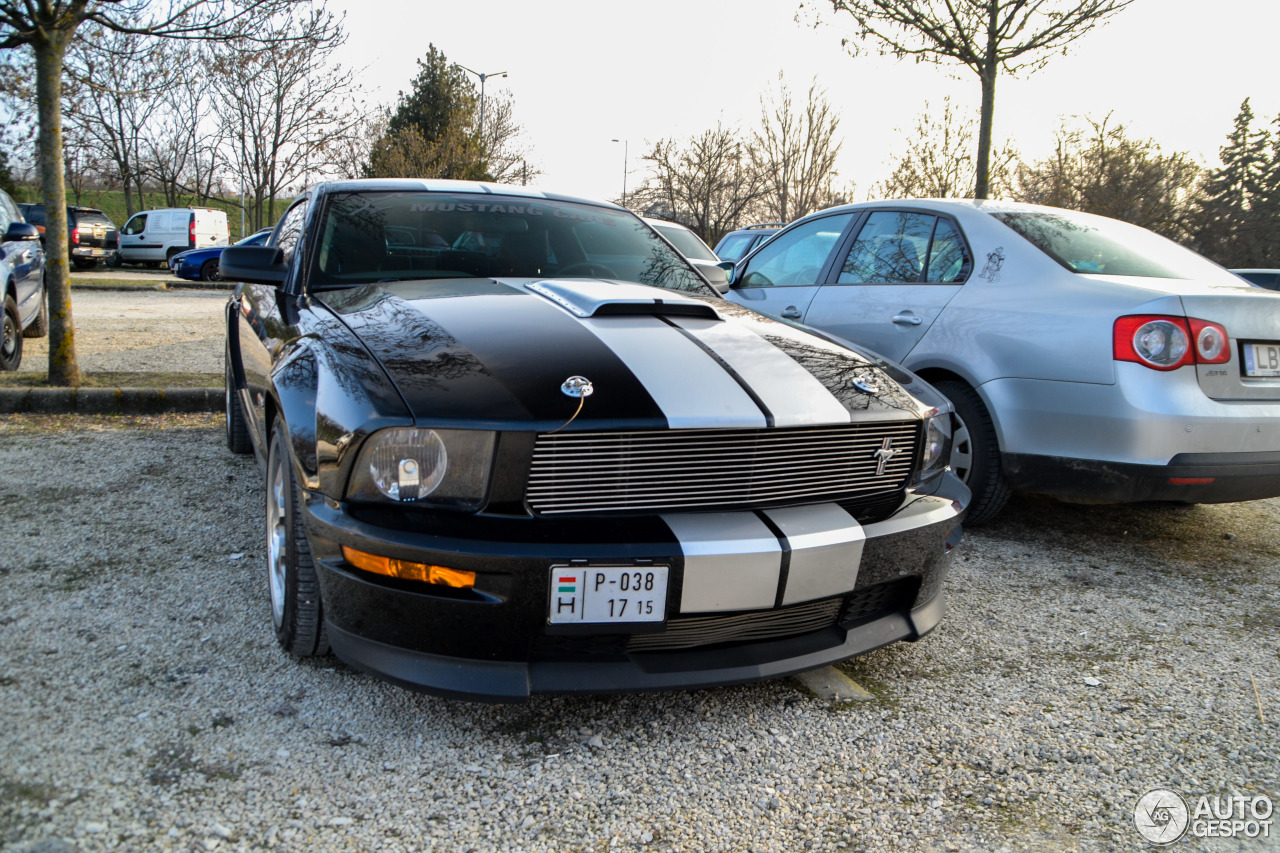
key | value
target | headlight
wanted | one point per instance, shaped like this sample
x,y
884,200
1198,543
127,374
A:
x,y
438,467
936,453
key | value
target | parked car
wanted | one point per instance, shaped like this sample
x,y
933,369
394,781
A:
x,y
202,264
1086,358
738,244
562,462
153,237
91,235
25,310
1270,279
694,250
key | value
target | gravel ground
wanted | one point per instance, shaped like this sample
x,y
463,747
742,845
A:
x,y
143,330
1089,655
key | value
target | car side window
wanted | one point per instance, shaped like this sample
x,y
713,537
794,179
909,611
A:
x,y
796,258
948,260
136,225
290,230
891,248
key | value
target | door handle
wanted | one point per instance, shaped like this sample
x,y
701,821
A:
x,y
906,318
791,312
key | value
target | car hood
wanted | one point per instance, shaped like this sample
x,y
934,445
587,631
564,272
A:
x,y
497,353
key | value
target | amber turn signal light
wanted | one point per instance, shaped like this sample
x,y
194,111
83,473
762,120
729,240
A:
x,y
406,570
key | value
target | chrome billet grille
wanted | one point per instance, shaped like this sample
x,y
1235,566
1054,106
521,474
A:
x,y
688,632
705,470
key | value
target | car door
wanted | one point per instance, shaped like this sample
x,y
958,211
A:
x,y
893,280
133,237
24,258
262,327
782,277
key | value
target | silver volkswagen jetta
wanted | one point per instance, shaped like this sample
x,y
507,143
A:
x,y
1087,358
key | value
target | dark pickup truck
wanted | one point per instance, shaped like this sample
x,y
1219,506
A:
x,y
91,234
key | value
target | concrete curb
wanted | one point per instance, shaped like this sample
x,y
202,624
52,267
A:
x,y
109,401
151,285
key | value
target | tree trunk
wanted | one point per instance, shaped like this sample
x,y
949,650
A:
x,y
990,65
63,366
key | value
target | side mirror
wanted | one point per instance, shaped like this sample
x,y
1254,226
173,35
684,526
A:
x,y
730,272
254,264
715,274
21,231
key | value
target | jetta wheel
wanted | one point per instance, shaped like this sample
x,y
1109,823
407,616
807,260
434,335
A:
x,y
975,453
296,609
211,271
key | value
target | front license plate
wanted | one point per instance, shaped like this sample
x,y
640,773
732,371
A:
x,y
1262,359
607,594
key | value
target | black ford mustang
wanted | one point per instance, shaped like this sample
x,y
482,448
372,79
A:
x,y
514,443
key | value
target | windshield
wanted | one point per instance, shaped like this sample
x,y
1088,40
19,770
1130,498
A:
x,y
392,236
687,242
1095,244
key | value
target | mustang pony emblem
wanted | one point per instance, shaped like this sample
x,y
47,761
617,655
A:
x,y
886,452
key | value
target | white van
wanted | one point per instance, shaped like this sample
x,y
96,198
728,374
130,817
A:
x,y
154,236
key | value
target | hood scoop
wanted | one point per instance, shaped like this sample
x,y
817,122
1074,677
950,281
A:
x,y
586,298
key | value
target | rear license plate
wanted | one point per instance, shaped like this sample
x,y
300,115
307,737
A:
x,y
607,594
1262,359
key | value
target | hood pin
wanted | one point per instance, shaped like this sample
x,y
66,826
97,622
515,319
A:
x,y
575,386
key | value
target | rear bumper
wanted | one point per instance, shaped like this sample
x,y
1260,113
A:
x,y
1188,478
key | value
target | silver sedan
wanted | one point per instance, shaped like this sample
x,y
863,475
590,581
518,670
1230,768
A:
x,y
1087,358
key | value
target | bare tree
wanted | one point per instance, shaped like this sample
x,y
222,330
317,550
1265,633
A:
x,y
283,107
1100,169
505,152
937,160
795,152
47,29
708,184
983,35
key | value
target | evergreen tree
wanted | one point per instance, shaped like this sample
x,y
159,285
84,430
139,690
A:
x,y
432,133
1266,207
1229,231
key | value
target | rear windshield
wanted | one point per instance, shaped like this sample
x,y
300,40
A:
x,y
86,216
1095,244
394,236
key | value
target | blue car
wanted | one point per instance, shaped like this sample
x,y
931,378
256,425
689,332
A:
x,y
202,264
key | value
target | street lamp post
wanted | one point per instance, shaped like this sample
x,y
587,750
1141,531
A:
x,y
625,144
482,77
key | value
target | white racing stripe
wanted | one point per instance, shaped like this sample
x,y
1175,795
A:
x,y
690,387
732,561
826,549
793,395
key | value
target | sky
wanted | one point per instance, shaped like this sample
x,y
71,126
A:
x,y
585,72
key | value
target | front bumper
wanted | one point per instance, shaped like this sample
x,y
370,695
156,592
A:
x,y
495,643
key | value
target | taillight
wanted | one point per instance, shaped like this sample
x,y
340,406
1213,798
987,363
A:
x,y
191,232
75,236
1167,343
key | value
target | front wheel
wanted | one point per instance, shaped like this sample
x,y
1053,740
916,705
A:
x,y
975,452
210,271
11,342
296,609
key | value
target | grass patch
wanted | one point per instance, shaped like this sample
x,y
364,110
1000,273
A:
x,y
34,424
118,379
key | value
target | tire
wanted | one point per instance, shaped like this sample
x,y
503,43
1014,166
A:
x,y
210,271
237,424
975,453
11,337
296,610
113,260
170,252
39,327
